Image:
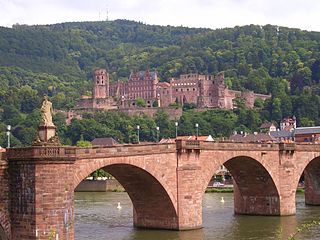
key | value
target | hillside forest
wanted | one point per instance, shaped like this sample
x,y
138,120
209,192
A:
x,y
58,60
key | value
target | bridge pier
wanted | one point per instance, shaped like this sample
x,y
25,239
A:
x,y
41,195
190,190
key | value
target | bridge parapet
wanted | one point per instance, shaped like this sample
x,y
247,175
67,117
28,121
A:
x,y
287,146
67,152
203,145
307,147
41,153
124,150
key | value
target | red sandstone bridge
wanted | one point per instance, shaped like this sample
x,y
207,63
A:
x,y
166,182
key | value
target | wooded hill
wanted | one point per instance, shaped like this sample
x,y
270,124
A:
x,y
58,60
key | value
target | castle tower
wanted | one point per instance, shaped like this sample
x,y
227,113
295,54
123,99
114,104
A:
x,y
100,83
219,91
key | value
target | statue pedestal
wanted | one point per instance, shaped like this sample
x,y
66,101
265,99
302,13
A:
x,y
46,136
46,132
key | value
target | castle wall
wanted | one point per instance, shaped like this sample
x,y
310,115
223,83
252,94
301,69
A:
x,y
143,85
165,95
99,103
185,91
173,113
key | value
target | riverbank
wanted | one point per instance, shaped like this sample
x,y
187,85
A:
x,y
230,190
107,185
112,185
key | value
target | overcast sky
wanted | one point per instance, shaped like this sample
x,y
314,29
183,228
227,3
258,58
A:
x,y
304,14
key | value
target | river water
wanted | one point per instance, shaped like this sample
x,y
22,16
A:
x,y
97,217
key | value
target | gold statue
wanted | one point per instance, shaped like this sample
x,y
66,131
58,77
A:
x,y
46,112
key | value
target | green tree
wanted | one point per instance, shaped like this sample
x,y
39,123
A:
x,y
83,143
141,102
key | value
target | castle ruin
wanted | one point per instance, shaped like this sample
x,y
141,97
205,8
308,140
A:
x,y
204,91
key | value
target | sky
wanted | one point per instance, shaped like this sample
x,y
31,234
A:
x,y
303,14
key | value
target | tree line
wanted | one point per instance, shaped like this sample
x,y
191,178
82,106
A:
x,y
58,60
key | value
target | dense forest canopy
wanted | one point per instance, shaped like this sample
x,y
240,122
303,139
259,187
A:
x,y
58,60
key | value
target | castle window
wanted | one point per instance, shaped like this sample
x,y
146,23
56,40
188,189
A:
x,y
102,77
102,82
97,82
176,89
187,89
194,89
181,90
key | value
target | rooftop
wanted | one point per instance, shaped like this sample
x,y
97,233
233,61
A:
x,y
252,137
282,134
104,142
307,130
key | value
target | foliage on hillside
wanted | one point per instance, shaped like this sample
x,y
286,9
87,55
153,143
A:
x,y
58,60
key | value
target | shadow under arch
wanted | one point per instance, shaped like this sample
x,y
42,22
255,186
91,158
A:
x,y
255,192
311,182
152,206
3,235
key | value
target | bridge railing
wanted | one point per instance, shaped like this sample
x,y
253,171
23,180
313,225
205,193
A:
x,y
68,153
125,150
208,145
41,152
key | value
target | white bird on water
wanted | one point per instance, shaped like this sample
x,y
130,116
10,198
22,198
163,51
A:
x,y
119,206
222,200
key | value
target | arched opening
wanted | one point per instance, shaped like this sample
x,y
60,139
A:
x,y
254,190
311,182
152,206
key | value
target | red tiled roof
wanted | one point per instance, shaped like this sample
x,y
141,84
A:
x,y
266,125
260,137
104,142
163,84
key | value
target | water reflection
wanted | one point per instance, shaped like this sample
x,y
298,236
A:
x,y
97,217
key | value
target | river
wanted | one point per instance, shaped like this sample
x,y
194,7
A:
x,y
97,217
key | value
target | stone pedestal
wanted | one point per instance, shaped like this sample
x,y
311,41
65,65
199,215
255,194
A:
x,y
46,136
46,132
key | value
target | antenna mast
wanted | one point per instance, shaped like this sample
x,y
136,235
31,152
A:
x,y
107,12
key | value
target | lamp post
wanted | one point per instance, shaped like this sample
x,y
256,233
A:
x,y
138,133
176,124
8,135
197,128
158,131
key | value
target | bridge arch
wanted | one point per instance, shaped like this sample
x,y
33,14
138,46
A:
x,y
255,188
311,173
153,207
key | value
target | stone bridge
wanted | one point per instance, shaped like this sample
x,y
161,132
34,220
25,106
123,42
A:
x,y
166,182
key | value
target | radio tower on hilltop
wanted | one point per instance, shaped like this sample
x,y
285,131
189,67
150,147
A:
x,y
107,12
